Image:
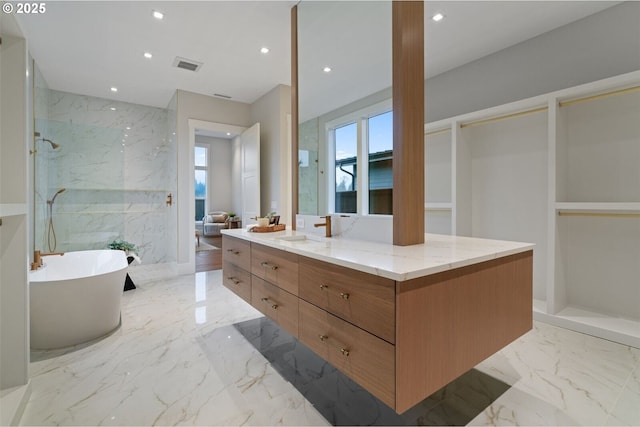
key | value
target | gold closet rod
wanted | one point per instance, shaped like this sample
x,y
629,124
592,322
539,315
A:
x,y
600,214
437,132
600,96
507,116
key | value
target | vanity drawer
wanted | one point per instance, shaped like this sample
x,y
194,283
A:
x,y
278,304
237,280
275,266
367,359
363,299
236,251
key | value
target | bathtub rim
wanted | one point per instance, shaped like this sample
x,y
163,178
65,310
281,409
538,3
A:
x,y
39,276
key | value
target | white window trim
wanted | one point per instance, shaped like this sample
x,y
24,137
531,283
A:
x,y
360,117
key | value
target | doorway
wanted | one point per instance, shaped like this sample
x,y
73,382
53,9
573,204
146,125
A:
x,y
226,179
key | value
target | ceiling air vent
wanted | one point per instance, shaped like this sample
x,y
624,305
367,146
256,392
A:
x,y
187,64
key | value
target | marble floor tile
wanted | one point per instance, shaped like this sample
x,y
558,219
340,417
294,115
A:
x,y
190,352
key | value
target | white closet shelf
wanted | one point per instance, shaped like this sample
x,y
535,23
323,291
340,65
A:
x,y
615,209
598,206
438,206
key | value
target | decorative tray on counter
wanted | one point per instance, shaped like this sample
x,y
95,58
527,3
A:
x,y
269,228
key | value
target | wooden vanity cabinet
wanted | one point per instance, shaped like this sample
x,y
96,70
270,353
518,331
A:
x,y
365,300
236,266
275,266
237,252
367,359
400,340
237,280
276,303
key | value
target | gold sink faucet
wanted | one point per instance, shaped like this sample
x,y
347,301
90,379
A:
x,y
326,224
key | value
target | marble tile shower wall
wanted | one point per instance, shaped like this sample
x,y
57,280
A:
x,y
117,162
308,176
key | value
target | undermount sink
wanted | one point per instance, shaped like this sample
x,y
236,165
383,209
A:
x,y
301,238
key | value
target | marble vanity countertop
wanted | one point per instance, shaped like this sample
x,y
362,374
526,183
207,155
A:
x,y
439,252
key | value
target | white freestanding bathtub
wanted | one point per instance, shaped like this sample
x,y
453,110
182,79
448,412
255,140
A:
x,y
76,297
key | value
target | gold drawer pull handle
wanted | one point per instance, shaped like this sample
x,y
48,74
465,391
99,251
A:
x,y
269,265
343,295
234,280
233,251
344,351
274,306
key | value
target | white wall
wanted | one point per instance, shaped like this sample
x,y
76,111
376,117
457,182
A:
x,y
271,112
200,107
14,295
599,46
219,194
16,128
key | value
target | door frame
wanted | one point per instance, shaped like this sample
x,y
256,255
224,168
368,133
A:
x,y
213,127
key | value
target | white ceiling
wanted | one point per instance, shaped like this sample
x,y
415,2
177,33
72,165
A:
x,y
88,46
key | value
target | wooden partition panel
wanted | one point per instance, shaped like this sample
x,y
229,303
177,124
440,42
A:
x,y
449,322
294,115
408,122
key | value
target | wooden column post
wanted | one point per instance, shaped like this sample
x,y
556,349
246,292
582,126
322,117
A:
x,y
408,122
294,115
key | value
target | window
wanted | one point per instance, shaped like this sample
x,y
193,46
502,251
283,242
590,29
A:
x,y
381,163
362,186
346,169
201,178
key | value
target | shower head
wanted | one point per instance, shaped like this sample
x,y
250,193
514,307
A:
x,y
53,144
50,202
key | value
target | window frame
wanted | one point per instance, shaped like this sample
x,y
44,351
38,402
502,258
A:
x,y
361,118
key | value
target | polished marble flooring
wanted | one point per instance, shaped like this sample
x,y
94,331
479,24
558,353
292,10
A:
x,y
190,352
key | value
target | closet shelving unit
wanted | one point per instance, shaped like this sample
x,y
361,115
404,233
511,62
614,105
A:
x,y
561,170
438,179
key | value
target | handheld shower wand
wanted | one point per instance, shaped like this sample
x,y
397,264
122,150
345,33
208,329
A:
x,y
50,202
51,232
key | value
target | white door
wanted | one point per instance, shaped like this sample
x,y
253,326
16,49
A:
x,y
250,160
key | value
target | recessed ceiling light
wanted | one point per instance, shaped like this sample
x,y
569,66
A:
x,y
113,108
437,17
114,89
158,14
327,69
128,128
228,133
264,50
148,55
